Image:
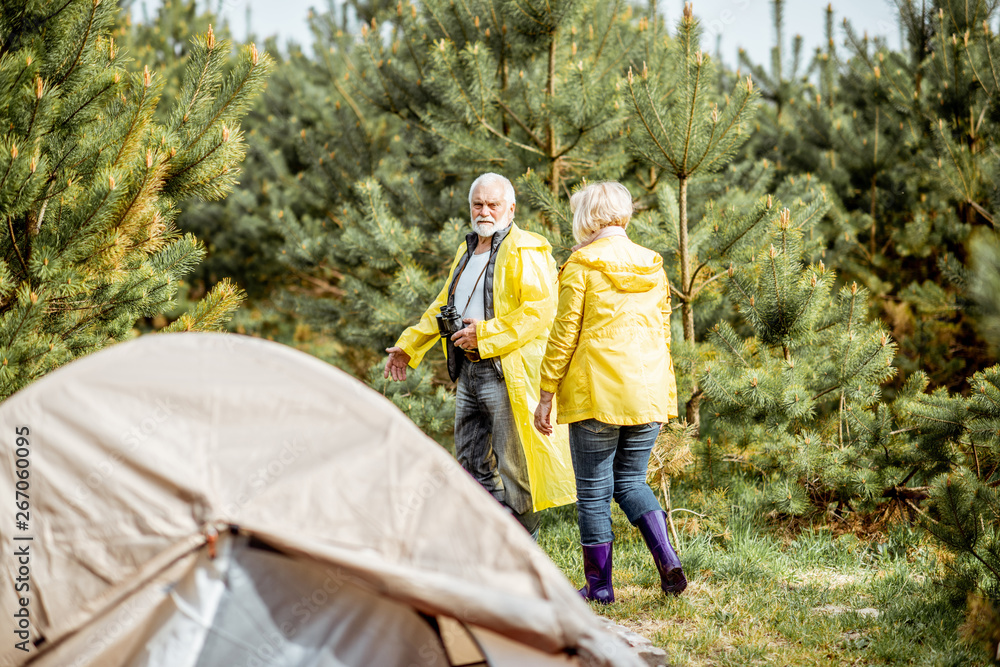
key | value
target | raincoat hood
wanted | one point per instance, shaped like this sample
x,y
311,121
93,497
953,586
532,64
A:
x,y
608,355
629,267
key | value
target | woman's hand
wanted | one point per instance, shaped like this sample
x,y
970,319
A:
x,y
543,413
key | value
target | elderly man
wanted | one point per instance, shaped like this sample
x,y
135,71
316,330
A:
x,y
502,283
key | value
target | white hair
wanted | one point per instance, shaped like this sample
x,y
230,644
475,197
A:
x,y
597,206
489,178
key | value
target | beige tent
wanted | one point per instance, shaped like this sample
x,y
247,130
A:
x,y
202,500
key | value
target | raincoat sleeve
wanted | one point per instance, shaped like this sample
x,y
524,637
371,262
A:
x,y
534,274
566,328
665,311
419,338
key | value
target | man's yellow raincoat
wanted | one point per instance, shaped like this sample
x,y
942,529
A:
x,y
524,303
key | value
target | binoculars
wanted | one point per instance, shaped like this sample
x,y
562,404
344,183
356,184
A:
x,y
450,323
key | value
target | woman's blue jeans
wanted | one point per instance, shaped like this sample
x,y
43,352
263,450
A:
x,y
610,462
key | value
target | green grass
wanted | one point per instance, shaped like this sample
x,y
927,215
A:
x,y
757,596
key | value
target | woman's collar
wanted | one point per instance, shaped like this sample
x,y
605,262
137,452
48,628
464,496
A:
x,y
603,233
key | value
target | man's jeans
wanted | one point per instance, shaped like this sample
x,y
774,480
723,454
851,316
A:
x,y
610,461
486,440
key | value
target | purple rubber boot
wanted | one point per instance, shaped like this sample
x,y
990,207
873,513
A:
x,y
597,571
653,526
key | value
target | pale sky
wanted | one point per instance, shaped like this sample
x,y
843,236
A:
x,y
741,23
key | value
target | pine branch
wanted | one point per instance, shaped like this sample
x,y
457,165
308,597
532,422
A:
x,y
13,242
83,43
520,122
826,391
199,82
259,65
690,120
212,311
777,291
96,97
664,151
708,281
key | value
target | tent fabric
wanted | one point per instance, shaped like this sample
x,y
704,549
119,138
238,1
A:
x,y
141,453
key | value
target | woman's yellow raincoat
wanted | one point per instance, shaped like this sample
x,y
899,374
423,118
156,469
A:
x,y
608,356
524,303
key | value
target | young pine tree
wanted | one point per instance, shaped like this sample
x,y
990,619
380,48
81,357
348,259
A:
x,y
680,131
91,178
960,435
781,85
787,395
363,238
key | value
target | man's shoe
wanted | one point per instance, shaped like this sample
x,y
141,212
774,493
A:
x,y
597,571
653,526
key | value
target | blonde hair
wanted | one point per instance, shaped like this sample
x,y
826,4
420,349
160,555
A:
x,y
599,205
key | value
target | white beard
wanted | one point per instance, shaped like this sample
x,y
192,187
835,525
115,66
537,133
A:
x,y
484,226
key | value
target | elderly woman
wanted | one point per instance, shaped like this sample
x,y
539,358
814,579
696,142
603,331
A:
x,y
608,360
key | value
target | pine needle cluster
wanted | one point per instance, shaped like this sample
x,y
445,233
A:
x,y
91,180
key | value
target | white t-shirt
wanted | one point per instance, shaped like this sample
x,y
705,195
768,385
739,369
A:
x,y
468,286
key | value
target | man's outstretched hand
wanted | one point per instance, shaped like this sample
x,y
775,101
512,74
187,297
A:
x,y
395,365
